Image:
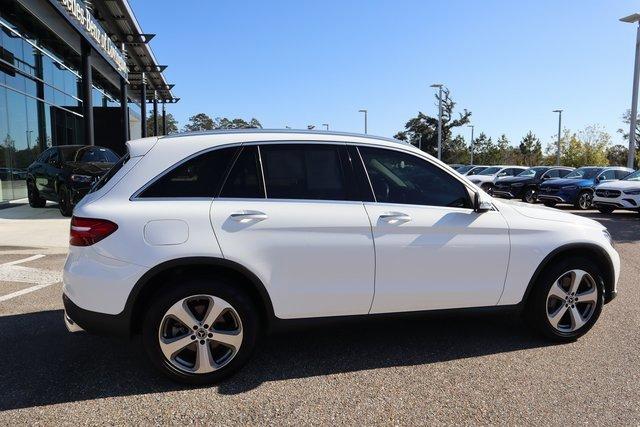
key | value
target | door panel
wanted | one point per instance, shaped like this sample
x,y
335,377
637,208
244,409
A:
x,y
316,258
437,257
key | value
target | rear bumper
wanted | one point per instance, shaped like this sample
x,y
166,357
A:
x,y
97,323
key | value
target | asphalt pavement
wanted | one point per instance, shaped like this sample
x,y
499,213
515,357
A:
x,y
432,369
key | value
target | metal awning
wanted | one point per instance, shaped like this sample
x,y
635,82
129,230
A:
x,y
117,18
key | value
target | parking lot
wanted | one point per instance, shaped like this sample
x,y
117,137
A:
x,y
429,369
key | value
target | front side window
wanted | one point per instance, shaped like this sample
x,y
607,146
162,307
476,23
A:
x,y
564,172
398,177
304,171
200,176
607,175
553,173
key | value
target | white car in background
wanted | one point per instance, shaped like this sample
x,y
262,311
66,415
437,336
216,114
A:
x,y
487,178
622,194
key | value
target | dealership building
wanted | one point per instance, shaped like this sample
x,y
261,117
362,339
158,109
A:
x,y
73,72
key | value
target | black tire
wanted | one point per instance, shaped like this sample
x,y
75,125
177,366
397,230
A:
x,y
584,200
606,209
35,201
64,201
549,203
174,292
537,304
529,195
488,188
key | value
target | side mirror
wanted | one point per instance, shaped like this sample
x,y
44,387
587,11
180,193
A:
x,y
480,204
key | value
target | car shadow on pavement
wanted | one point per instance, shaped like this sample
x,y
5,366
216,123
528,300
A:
x,y
43,364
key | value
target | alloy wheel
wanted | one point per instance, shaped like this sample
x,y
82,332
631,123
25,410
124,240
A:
x,y
530,195
200,334
571,301
584,202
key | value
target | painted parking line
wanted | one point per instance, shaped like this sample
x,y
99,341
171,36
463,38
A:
x,y
40,278
20,261
23,291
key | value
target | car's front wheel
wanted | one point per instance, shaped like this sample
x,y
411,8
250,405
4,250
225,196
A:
x,y
583,202
35,201
567,299
200,331
64,201
529,195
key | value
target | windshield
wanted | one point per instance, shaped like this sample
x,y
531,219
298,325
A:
x,y
584,173
88,154
634,176
110,173
490,171
463,169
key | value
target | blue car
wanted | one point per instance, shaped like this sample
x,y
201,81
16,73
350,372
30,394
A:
x,y
577,187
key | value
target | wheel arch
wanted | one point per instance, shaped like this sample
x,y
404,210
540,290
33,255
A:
x,y
151,283
590,250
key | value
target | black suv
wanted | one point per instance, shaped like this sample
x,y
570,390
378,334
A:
x,y
65,173
525,186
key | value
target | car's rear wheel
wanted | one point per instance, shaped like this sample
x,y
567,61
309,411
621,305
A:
x,y
567,299
549,203
64,201
488,188
35,201
606,209
529,195
583,202
200,331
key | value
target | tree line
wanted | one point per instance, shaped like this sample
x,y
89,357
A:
x,y
202,122
589,146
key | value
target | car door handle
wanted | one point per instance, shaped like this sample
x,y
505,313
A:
x,y
249,215
395,217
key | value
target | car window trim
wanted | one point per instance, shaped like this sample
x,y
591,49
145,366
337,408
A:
x,y
136,195
468,188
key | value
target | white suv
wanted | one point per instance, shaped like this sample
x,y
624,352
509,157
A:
x,y
622,194
202,242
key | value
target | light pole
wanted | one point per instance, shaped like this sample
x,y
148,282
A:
x,y
559,130
632,19
326,125
439,86
365,119
471,145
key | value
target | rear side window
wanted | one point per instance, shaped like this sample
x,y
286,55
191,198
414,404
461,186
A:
x,y
621,174
245,180
304,171
200,176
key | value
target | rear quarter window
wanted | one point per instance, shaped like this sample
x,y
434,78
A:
x,y
200,176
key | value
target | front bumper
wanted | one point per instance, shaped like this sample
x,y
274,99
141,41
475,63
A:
x,y
508,192
77,318
557,196
623,201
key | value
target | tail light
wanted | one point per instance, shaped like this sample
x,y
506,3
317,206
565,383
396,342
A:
x,y
87,231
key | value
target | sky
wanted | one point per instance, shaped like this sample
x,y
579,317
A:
x,y
299,63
